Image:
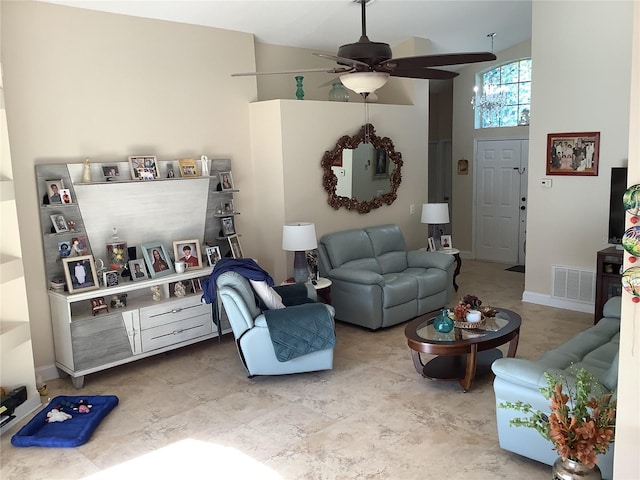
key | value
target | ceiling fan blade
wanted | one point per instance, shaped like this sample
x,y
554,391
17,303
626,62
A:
x,y
425,73
439,60
343,60
307,70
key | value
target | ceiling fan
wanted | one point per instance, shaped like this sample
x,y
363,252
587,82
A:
x,y
365,66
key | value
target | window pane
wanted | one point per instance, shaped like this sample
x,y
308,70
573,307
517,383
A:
x,y
525,70
510,93
509,116
525,93
509,73
491,77
523,117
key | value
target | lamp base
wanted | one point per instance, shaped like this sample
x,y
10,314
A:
x,y
300,268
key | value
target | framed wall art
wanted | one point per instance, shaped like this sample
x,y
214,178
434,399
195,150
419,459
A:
x,y
188,251
143,167
157,259
80,273
226,181
234,244
573,153
138,270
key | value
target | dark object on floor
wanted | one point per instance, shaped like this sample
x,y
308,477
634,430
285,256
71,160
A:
x,y
516,268
70,433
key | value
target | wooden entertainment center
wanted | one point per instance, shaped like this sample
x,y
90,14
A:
x,y
162,210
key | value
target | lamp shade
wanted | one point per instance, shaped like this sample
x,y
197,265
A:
x,y
364,82
299,236
435,213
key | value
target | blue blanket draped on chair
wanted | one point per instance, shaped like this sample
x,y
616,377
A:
x,y
294,334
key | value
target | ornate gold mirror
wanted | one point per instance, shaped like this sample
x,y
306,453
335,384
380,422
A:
x,y
362,172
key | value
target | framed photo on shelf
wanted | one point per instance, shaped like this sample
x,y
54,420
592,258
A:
x,y
573,153
188,251
226,181
80,273
110,279
227,207
64,248
59,223
65,193
138,270
228,227
188,167
431,245
53,190
445,241
213,255
157,259
143,167
234,244
79,246
110,172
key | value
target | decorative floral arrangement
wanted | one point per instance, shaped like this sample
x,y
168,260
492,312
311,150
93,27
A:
x,y
582,421
471,302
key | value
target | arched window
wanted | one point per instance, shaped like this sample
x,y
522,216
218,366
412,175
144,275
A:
x,y
503,95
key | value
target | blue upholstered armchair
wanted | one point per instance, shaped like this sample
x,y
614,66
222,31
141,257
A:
x,y
298,338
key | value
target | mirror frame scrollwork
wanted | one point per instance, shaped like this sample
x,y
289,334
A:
x,y
329,180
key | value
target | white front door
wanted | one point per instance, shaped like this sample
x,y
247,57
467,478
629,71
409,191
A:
x,y
500,200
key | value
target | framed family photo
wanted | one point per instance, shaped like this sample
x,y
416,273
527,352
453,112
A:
x,y
226,181
228,228
80,273
213,255
188,251
143,167
234,244
445,241
59,223
53,190
188,167
227,207
110,172
138,270
157,259
573,153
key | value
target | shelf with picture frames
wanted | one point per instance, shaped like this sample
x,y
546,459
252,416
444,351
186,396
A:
x,y
103,326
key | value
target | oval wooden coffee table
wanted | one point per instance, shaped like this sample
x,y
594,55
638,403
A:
x,y
461,352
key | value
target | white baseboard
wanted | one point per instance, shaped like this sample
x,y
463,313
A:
x,y
549,301
48,372
21,411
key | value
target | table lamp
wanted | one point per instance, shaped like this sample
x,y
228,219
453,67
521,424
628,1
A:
x,y
299,237
435,214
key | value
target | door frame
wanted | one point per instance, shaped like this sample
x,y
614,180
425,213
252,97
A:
x,y
476,140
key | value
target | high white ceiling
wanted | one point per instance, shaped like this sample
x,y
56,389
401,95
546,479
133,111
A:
x,y
452,25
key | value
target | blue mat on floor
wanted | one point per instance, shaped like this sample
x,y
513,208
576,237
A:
x,y
70,433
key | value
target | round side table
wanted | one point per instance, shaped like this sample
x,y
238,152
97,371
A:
x,y
323,289
456,254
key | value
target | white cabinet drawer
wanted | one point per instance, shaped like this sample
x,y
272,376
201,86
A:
x,y
174,311
176,332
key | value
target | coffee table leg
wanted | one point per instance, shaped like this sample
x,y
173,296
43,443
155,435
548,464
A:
x,y
513,345
417,362
470,371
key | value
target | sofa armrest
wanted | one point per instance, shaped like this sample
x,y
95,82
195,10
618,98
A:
x,y
521,372
365,277
420,258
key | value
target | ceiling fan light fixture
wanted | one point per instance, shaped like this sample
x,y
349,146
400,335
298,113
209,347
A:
x,y
364,82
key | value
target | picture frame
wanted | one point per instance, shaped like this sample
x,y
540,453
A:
x,y
157,259
64,248
110,172
226,181
143,167
213,255
431,245
53,191
445,242
381,166
463,166
80,273
576,154
65,193
138,270
188,167
170,171
59,223
79,246
236,248
188,251
228,227
226,207
110,278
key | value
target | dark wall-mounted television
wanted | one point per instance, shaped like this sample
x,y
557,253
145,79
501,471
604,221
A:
x,y
616,207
